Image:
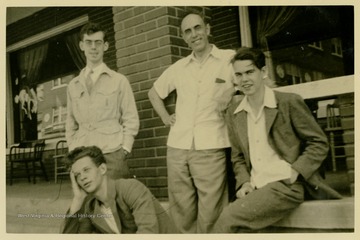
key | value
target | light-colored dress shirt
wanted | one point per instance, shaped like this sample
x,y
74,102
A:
x,y
203,90
267,165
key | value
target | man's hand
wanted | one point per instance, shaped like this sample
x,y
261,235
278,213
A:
x,y
245,189
169,120
79,195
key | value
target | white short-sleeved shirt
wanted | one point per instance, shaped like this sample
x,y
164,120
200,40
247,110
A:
x,y
203,91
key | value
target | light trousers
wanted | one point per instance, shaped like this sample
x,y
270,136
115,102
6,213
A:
x,y
197,188
117,164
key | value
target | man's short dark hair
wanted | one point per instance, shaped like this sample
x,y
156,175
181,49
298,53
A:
x,y
91,28
252,54
93,152
195,12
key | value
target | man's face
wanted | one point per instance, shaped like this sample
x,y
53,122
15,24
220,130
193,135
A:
x,y
93,46
88,175
249,79
195,32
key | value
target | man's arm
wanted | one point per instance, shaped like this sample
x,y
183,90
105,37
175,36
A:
x,y
308,130
129,115
71,124
159,106
140,200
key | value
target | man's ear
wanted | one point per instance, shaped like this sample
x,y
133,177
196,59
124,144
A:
x,y
106,46
103,168
81,45
207,28
264,72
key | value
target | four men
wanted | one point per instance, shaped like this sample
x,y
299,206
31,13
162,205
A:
x,y
277,146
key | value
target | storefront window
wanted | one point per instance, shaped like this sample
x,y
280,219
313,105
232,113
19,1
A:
x,y
304,44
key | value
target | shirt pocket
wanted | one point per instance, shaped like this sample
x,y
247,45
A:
x,y
106,99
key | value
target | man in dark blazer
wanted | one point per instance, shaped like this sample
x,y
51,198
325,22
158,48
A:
x,y
104,205
277,148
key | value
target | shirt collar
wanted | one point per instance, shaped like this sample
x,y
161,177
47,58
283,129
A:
x,y
96,71
215,52
269,101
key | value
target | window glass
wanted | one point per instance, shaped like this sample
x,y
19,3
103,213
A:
x,y
305,44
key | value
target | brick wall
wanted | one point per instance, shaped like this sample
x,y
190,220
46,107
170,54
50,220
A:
x,y
225,27
53,16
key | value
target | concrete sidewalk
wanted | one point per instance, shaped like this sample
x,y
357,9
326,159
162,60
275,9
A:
x,y
36,208
40,208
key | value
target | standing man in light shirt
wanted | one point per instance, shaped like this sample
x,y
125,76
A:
x,y
196,162
101,105
277,148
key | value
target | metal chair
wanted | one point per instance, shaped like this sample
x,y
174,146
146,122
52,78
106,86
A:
x,y
28,152
333,127
60,167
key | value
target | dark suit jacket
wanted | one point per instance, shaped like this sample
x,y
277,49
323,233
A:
x,y
135,210
293,133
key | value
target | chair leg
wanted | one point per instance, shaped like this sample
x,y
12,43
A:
x,y
55,170
11,172
27,171
43,170
332,149
34,171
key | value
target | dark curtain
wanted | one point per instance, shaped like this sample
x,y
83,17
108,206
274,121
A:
x,y
72,43
271,20
30,62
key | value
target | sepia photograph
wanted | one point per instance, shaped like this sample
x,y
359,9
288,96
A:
x,y
232,118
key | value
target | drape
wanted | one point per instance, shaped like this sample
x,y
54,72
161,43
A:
x,y
30,62
270,21
72,43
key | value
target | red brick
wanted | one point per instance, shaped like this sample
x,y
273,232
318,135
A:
x,y
125,52
156,73
162,131
134,21
123,15
146,85
160,52
142,9
162,171
167,20
160,32
155,162
145,133
145,105
139,77
158,12
143,153
148,26
141,95
161,193
143,114
156,182
125,33
147,46
155,142
161,151
154,122
135,163
135,40
145,172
